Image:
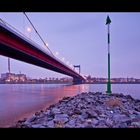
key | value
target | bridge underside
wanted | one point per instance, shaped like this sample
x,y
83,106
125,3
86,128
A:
x,y
16,54
16,47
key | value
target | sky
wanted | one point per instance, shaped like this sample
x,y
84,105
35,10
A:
x,y
81,39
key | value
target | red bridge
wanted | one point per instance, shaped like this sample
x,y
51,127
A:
x,y
17,46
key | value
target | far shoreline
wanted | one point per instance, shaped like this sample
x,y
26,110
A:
x,y
2,83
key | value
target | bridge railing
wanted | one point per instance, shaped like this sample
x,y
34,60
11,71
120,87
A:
x,y
24,37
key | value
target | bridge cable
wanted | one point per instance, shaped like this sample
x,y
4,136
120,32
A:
x,y
7,24
37,32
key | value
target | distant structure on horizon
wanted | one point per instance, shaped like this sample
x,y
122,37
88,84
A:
x,y
22,78
12,77
90,79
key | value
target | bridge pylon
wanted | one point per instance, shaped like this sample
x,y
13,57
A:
x,y
77,81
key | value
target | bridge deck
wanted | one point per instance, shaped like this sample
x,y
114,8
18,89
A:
x,y
17,46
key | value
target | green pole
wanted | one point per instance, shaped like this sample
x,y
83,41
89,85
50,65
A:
x,y
108,21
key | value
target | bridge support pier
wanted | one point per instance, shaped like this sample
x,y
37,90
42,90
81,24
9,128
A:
x,y
77,81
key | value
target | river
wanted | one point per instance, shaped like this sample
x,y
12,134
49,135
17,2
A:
x,y
18,101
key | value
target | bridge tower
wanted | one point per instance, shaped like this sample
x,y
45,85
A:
x,y
77,80
77,66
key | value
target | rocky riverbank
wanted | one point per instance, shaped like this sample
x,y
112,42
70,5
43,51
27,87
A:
x,y
88,110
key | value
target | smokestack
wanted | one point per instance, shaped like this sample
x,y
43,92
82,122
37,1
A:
x,y
9,65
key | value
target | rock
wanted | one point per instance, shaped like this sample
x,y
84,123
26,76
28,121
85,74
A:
x,y
42,115
49,124
129,97
121,118
36,125
99,109
108,108
61,118
135,118
121,125
136,112
22,121
59,124
111,112
71,123
95,122
130,112
47,112
103,115
89,121
55,111
113,102
24,126
88,126
77,111
30,120
137,100
37,113
101,126
118,95
99,102
84,115
98,93
137,108
80,118
137,124
83,126
92,113
124,100
109,122
65,98
69,126
132,126
81,105
42,126
88,100
126,112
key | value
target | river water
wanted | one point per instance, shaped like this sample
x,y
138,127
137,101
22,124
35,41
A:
x,y
18,101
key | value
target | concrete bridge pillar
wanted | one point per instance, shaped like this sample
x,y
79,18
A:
x,y
77,81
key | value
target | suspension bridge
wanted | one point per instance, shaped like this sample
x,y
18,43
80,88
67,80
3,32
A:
x,y
15,45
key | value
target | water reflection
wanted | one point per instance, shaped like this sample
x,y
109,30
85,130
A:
x,y
21,100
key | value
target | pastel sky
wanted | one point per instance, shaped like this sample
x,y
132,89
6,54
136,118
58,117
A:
x,y
81,38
